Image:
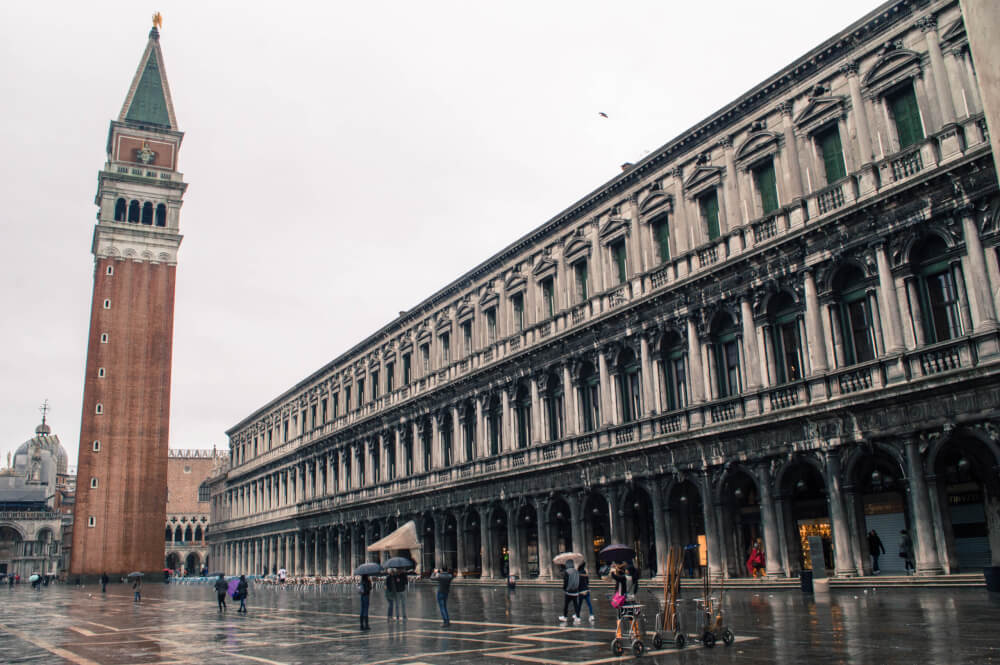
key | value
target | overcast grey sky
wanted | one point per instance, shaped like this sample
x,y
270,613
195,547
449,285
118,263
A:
x,y
345,161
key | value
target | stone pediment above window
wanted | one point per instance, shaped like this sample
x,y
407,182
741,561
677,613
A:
x,y
576,249
489,299
656,204
442,322
701,179
464,313
818,112
756,147
544,268
955,34
613,229
423,335
890,70
515,283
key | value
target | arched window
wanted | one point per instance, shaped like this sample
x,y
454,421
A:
x,y
133,211
786,341
198,534
178,533
673,374
554,406
725,348
161,215
188,536
938,291
121,210
347,470
522,415
168,536
629,379
147,213
495,421
360,452
590,398
854,315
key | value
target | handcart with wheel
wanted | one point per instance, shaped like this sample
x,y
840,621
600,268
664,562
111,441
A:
x,y
630,629
714,627
668,622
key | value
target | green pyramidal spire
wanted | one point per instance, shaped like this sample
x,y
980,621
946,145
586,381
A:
x,y
148,101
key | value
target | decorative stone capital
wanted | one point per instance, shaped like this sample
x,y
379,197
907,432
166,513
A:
x,y
785,108
726,142
927,23
849,68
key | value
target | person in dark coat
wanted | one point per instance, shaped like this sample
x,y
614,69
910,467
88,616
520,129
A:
x,y
875,549
584,595
443,579
906,551
365,589
104,582
571,592
221,587
241,593
633,572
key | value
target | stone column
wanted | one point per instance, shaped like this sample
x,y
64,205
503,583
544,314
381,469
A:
x,y
946,107
793,175
536,413
483,514
544,544
570,406
460,553
772,544
731,190
507,439
814,329
850,70
316,568
694,362
751,354
513,546
481,439
712,537
602,366
984,316
659,526
648,400
925,548
439,560
844,560
890,304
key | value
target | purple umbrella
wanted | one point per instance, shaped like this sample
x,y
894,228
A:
x,y
233,583
617,552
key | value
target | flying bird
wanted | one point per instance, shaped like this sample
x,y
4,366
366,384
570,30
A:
x,y
602,114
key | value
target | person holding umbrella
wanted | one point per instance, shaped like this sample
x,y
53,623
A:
x,y
241,593
221,587
136,586
443,579
366,570
571,592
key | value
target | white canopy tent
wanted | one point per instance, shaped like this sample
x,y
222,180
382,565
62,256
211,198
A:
x,y
403,538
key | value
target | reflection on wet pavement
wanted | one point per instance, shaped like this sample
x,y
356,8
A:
x,y
181,624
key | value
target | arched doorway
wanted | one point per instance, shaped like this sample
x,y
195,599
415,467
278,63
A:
x,y
449,544
968,501
499,554
879,489
802,497
686,521
192,564
596,528
429,551
173,561
560,527
638,529
471,539
741,523
527,541
10,549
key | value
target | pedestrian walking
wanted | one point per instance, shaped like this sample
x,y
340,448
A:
x,y
137,588
755,561
620,578
365,589
241,592
690,558
443,579
875,549
104,582
906,551
401,583
221,587
571,592
584,594
282,575
390,595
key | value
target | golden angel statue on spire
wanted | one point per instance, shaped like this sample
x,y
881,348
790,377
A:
x,y
157,20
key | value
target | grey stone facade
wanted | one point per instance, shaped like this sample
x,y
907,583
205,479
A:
x,y
781,323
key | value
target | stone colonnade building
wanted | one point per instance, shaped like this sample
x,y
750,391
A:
x,y
781,323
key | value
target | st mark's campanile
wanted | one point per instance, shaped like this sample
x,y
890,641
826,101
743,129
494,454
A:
x,y
122,472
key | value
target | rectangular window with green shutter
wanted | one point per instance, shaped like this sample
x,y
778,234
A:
x,y
767,186
709,204
906,115
661,235
829,144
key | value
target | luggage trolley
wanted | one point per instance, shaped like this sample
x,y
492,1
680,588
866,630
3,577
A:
x,y
631,626
714,627
668,622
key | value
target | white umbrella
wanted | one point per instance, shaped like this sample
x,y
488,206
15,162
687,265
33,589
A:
x,y
561,559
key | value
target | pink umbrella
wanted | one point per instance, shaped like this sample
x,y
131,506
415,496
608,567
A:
x,y
233,583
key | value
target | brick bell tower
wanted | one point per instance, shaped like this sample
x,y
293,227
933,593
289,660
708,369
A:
x,y
122,472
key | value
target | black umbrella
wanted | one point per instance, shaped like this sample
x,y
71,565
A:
x,y
617,552
398,562
216,574
369,568
135,574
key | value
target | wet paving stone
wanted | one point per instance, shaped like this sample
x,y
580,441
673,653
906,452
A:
x,y
180,623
